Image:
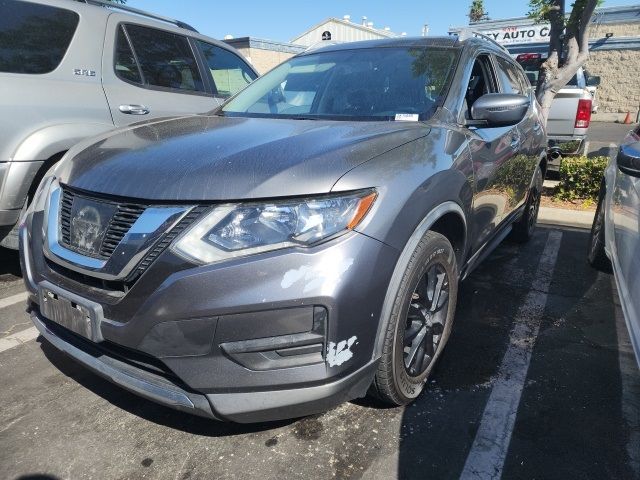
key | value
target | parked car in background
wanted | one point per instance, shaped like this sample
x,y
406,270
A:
x,y
71,70
298,246
615,235
570,114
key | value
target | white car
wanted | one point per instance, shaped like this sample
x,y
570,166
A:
x,y
615,235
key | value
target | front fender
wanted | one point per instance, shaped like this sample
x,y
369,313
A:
x,y
49,141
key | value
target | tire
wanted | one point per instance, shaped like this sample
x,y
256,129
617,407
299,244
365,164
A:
x,y
523,229
399,378
596,254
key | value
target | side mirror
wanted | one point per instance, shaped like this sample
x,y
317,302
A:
x,y
593,81
629,159
500,109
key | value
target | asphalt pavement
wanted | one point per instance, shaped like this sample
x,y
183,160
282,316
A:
x,y
538,382
605,136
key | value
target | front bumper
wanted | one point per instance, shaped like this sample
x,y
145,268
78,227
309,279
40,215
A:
x,y
242,407
245,341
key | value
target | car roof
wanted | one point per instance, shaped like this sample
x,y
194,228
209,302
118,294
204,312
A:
x,y
104,8
450,41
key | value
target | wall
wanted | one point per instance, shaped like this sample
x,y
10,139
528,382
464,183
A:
x,y
341,31
265,60
619,70
619,90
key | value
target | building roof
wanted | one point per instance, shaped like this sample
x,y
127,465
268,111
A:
x,y
376,31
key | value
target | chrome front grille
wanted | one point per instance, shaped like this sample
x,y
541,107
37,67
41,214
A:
x,y
109,240
65,217
119,225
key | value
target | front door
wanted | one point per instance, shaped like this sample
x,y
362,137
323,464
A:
x,y
491,149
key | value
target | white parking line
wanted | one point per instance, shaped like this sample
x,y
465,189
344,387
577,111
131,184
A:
x,y
489,449
17,339
13,299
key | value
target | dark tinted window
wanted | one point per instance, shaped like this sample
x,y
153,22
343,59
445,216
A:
x,y
510,78
34,38
229,72
126,65
165,58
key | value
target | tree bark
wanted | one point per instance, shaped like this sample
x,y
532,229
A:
x,y
557,70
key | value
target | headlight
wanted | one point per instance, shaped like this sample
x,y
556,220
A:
x,y
236,230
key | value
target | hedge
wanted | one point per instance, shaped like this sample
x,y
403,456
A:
x,y
580,178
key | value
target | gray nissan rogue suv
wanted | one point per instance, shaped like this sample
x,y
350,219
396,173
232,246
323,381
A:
x,y
298,247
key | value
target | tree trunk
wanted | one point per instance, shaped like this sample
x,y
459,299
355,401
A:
x,y
556,71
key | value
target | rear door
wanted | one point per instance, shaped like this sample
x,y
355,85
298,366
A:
x,y
150,72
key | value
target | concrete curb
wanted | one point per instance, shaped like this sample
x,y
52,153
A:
x,y
565,218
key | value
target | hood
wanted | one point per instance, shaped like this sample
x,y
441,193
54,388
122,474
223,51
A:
x,y
221,158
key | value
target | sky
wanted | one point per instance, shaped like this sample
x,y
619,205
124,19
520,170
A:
x,y
285,19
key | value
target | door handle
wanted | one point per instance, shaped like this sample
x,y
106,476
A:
x,y
134,109
515,142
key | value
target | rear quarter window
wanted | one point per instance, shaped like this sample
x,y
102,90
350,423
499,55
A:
x,y
34,38
229,73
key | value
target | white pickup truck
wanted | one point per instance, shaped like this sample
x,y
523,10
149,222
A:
x,y
570,114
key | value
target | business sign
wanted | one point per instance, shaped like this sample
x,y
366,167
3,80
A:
x,y
519,34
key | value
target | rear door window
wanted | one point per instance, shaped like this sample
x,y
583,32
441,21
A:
x,y
229,72
34,38
165,59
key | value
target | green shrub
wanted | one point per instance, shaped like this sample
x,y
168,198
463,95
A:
x,y
580,178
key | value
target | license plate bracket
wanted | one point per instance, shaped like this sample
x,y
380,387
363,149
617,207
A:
x,y
71,311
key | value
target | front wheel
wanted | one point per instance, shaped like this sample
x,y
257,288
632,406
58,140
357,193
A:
x,y
420,322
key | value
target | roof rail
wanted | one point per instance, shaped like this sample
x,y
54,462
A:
x,y
468,33
322,43
120,6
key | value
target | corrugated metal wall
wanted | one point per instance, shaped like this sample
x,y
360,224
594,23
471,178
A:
x,y
340,32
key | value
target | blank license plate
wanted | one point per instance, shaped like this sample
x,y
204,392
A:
x,y
67,313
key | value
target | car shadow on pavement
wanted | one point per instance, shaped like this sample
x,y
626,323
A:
x,y
601,152
37,476
147,409
570,409
9,263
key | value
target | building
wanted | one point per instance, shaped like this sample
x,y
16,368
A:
x,y
614,53
342,30
264,54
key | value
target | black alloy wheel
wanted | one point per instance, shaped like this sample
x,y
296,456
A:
x,y
426,318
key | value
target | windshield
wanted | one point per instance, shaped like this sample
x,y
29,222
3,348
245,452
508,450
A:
x,y
359,84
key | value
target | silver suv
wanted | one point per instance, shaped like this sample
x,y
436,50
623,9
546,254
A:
x,y
70,70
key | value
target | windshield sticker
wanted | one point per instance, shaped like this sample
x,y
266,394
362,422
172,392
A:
x,y
407,117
